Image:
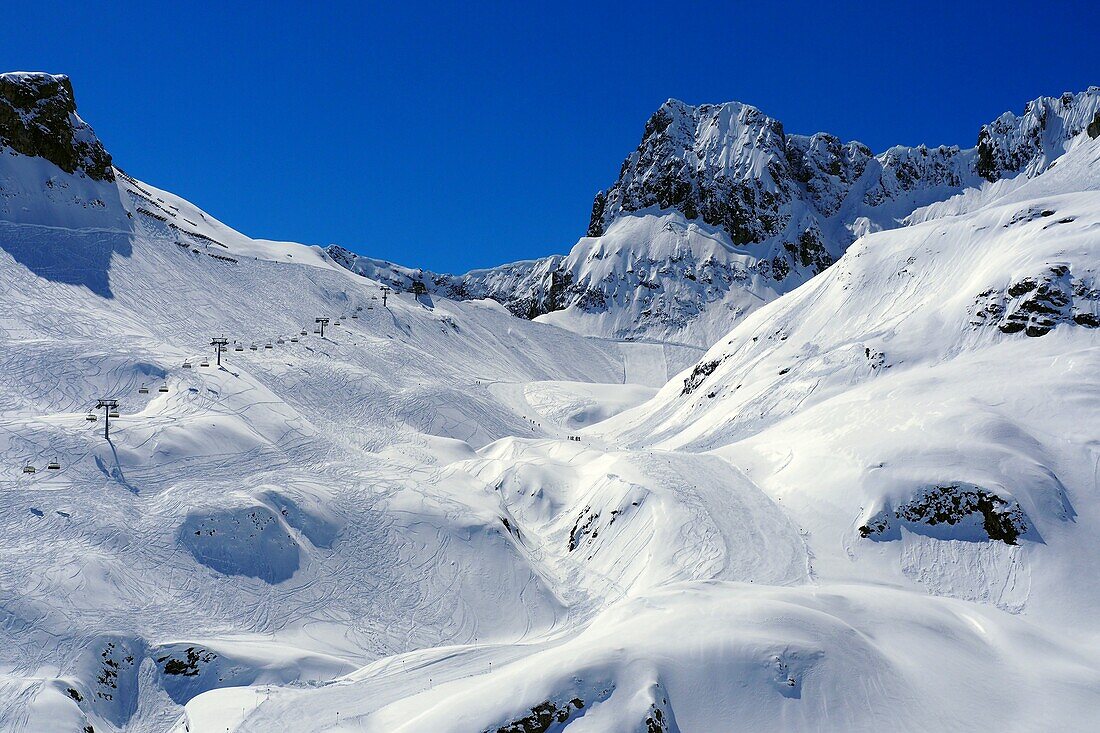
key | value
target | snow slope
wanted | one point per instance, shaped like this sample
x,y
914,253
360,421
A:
x,y
876,509
961,351
890,471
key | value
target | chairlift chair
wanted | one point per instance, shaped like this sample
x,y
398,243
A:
x,y
143,389
186,365
267,345
53,465
354,315
92,417
163,388
253,347
280,340
113,413
303,333
204,363
28,468
239,347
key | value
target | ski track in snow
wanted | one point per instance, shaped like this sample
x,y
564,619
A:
x,y
438,517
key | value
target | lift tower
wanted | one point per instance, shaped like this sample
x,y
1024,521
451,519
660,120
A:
x,y
108,406
322,322
385,291
219,344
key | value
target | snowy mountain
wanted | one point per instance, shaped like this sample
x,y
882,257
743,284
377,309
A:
x,y
871,505
719,210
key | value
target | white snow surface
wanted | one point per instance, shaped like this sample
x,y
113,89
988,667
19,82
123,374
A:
x,y
439,517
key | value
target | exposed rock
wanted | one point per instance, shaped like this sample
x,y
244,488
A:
x,y
1036,305
543,716
1030,142
38,119
699,374
954,505
189,664
595,222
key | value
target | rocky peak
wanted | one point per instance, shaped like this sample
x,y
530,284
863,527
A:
x,y
723,163
38,119
734,167
1029,143
718,209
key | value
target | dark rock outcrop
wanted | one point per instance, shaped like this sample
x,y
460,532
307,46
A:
x,y
699,374
952,506
38,119
543,717
1011,144
1036,305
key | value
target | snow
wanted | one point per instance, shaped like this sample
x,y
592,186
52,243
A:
x,y
441,517
719,211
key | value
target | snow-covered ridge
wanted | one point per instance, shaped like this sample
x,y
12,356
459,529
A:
x,y
783,206
1031,142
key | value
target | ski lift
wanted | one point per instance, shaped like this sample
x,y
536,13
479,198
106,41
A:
x,y
354,315
370,307
254,347
92,417
317,331
53,465
280,340
303,333
113,413
358,307
267,345
239,347
143,389
185,245
163,388
28,468
204,363
186,365
293,339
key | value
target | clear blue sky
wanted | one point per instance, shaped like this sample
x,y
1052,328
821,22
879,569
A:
x,y
459,135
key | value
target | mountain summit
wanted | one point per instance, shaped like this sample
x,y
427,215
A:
x,y
719,210
38,119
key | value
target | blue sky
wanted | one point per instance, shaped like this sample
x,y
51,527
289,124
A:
x,y
452,136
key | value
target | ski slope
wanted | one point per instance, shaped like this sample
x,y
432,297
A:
x,y
871,505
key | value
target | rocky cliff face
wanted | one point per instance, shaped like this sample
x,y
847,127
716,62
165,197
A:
x,y
38,119
528,288
1030,143
737,207
733,167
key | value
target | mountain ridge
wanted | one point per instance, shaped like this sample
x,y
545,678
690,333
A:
x,y
792,203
